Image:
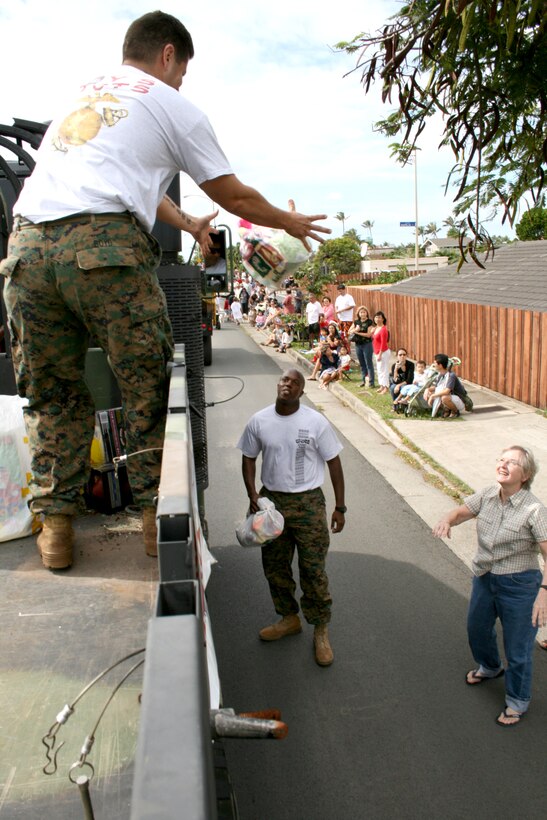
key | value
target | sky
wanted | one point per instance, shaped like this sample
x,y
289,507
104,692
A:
x,y
288,109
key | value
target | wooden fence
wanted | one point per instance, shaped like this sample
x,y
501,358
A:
x,y
503,349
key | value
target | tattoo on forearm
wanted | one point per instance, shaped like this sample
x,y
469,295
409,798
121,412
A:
x,y
185,217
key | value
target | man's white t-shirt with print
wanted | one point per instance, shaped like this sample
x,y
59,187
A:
x,y
344,307
313,312
117,148
294,448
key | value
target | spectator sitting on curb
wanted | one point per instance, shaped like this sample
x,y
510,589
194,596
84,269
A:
x,y
330,363
287,338
448,388
408,390
316,358
345,360
276,331
401,373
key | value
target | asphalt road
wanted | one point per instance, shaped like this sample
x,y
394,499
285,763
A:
x,y
390,730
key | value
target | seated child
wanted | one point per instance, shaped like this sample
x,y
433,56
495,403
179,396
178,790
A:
x,y
408,390
345,360
286,338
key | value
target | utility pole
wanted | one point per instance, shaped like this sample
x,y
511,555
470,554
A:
x,y
416,249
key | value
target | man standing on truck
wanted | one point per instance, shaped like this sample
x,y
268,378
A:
x,y
296,442
81,262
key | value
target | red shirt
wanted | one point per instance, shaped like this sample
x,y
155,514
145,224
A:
x,y
380,340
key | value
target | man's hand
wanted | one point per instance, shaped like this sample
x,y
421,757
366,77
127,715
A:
x,y
201,229
246,202
253,503
301,226
337,521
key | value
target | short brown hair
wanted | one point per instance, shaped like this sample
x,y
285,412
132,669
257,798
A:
x,y
147,35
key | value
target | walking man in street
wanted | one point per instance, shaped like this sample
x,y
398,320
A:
x,y
82,262
296,442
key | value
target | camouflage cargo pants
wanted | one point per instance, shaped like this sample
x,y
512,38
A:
x,y
92,275
306,530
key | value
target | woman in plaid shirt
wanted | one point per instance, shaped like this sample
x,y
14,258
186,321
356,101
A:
x,y
508,584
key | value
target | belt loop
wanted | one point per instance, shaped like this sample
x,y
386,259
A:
x,y
16,224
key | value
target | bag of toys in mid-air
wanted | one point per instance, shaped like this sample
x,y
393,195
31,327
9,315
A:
x,y
269,254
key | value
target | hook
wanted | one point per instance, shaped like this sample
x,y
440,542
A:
x,y
49,741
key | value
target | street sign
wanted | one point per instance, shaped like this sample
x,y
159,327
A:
x,y
407,224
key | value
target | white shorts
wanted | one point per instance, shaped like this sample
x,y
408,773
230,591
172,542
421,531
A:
x,y
458,402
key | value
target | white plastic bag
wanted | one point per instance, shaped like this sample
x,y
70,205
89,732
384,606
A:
x,y
262,526
269,254
16,520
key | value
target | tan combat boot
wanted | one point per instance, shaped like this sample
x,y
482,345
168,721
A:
x,y
288,625
55,541
150,531
324,655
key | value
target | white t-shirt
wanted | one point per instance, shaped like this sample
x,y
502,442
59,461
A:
x,y
343,307
236,311
313,312
294,448
117,148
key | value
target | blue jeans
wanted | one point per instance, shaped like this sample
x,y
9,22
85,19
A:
x,y
366,361
509,598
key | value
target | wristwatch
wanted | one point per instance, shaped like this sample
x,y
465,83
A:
x,y
341,509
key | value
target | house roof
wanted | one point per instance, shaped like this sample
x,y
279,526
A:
x,y
444,242
515,277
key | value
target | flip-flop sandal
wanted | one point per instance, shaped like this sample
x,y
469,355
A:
x,y
507,715
481,678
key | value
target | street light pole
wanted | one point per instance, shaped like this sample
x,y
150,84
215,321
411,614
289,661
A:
x,y
416,252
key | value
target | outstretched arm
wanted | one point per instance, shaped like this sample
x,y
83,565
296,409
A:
x,y
452,519
248,203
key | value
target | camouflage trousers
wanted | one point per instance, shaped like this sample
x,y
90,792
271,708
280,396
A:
x,y
69,280
306,530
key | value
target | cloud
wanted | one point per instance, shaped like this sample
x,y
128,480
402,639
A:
x,y
290,121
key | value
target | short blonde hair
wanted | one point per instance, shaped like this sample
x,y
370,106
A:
x,y
527,462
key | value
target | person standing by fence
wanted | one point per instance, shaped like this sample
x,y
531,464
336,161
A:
x,y
380,345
